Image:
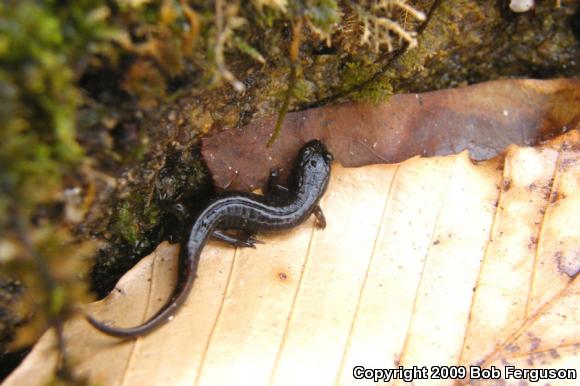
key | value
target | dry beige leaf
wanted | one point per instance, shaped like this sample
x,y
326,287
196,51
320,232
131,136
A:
x,y
430,262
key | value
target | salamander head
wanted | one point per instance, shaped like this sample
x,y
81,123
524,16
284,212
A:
x,y
313,165
314,149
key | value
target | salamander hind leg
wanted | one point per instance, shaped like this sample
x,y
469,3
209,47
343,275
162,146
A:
x,y
320,222
244,240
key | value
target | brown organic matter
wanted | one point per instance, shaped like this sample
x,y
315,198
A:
x,y
483,119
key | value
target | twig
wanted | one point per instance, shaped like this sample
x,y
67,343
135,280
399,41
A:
x,y
224,30
50,286
377,28
294,56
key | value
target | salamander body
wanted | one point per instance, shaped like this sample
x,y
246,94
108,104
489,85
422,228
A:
x,y
282,208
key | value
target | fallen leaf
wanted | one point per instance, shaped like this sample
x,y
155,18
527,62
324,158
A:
x,y
484,119
431,262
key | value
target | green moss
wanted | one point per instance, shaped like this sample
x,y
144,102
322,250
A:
x,y
247,49
374,92
266,17
127,223
303,90
151,216
324,14
56,301
38,119
42,45
134,219
358,79
354,74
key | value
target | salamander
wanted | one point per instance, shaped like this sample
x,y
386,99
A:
x,y
282,208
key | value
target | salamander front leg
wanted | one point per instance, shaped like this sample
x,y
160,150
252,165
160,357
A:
x,y
244,240
320,222
180,212
274,186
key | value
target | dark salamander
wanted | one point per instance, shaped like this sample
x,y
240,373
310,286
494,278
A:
x,y
282,208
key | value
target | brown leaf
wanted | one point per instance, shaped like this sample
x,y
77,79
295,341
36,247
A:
x,y
483,119
437,261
